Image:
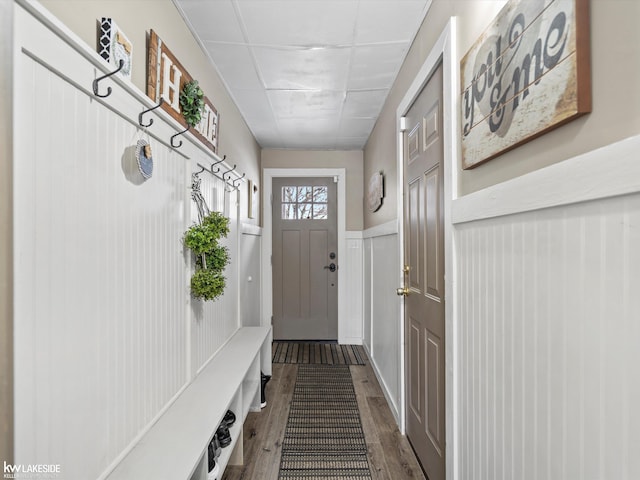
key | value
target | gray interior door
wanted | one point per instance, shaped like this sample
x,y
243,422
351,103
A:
x,y
305,259
424,280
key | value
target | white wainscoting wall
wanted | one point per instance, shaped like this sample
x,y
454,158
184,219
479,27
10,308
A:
x,y
351,330
549,322
106,334
382,318
250,280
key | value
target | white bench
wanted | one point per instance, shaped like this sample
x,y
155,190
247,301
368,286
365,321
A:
x,y
175,447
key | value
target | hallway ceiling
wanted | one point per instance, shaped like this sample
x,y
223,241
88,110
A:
x,y
306,74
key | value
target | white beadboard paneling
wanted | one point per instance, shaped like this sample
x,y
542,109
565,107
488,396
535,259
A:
x,y
250,276
382,319
351,329
214,322
100,346
105,336
549,338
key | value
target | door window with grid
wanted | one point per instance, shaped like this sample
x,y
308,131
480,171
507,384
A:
x,y
305,202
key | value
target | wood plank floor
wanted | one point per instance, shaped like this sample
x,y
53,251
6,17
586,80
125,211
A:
x,y
390,455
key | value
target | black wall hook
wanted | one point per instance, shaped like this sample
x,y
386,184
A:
x,y
202,169
178,145
239,180
214,164
228,171
99,79
147,111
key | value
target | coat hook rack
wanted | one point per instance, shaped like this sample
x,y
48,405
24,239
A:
x,y
99,79
214,164
147,111
178,145
228,171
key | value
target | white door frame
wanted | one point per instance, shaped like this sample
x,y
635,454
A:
x,y
267,279
445,50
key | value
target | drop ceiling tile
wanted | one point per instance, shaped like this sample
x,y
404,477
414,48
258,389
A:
x,y
235,65
381,22
213,21
376,66
254,105
303,69
306,104
302,23
356,127
364,103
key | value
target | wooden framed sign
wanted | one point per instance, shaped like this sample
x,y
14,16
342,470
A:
x,y
165,79
528,73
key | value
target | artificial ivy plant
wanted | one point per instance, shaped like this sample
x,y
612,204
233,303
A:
x,y
208,281
192,103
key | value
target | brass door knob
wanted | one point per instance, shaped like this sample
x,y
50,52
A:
x,y
402,291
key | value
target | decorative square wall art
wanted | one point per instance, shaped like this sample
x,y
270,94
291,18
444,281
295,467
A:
x,y
113,46
528,73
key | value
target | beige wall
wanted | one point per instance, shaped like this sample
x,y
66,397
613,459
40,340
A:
x,y
615,65
350,160
136,18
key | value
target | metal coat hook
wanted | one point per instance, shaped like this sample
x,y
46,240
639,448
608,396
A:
x,y
214,164
202,169
239,180
99,79
178,145
147,111
228,171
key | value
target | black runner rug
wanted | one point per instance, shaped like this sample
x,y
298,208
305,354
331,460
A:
x,y
323,438
318,353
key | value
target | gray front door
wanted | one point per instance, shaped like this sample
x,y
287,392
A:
x,y
305,259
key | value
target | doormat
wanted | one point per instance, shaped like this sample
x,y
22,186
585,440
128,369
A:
x,y
318,353
323,438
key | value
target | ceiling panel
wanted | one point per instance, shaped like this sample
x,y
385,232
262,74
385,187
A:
x,y
306,73
389,21
364,103
306,104
237,64
213,21
307,69
375,66
299,22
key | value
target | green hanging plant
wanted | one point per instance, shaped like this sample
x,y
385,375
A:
x,y
207,284
192,103
208,281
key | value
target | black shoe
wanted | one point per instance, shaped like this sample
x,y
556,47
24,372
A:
x,y
264,380
229,419
224,436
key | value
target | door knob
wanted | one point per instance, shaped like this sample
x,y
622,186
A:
x,y
332,267
402,291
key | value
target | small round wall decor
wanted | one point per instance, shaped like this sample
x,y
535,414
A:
x,y
375,192
144,158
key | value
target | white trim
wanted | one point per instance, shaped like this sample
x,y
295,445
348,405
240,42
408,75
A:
x,y
605,172
389,228
353,235
267,177
445,50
